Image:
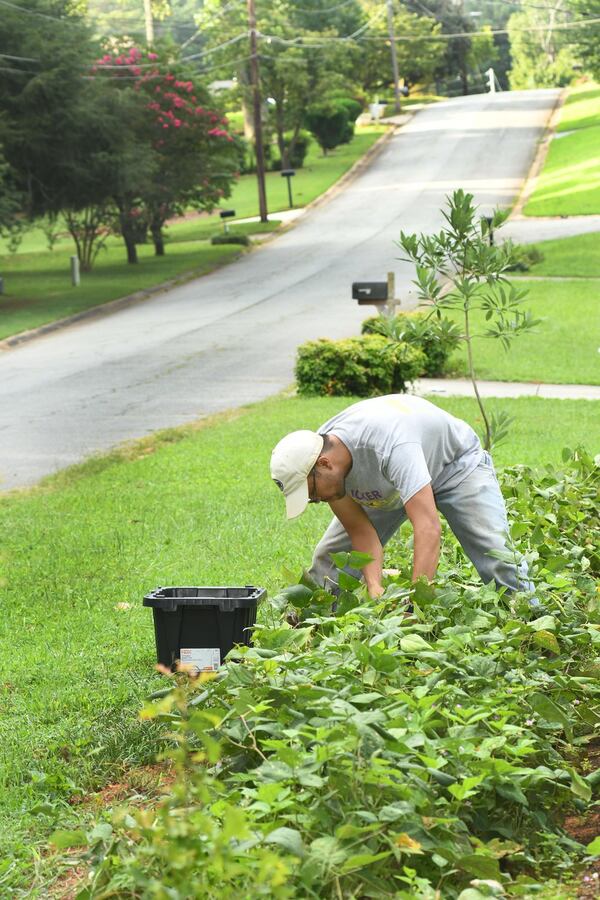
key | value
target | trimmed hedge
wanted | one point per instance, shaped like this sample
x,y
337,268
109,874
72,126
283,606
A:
x,y
242,239
360,366
436,338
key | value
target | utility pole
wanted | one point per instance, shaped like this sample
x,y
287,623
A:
x,y
390,18
149,22
258,142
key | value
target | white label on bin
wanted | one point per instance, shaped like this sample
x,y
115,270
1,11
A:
x,y
203,659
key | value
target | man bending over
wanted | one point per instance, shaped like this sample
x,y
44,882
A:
x,y
383,460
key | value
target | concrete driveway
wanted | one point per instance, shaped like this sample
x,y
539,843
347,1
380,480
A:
x,y
230,338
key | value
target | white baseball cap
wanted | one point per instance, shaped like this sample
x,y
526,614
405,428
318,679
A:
x,y
291,461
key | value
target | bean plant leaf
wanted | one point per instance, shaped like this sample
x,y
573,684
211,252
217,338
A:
x,y
593,848
362,860
547,640
544,623
546,708
289,839
414,643
62,839
580,787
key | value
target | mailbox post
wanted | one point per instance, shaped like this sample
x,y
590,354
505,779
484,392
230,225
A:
x,y
376,293
226,214
289,173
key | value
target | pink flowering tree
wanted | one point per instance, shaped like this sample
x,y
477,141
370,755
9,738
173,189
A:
x,y
194,157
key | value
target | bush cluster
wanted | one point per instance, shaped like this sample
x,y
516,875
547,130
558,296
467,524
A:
x,y
230,239
524,257
437,338
361,366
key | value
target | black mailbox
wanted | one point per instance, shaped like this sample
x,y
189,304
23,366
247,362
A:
x,y
369,292
287,173
227,213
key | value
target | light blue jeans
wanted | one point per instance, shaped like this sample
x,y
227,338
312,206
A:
x,y
475,512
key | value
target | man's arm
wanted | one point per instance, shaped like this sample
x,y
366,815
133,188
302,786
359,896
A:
x,y
364,538
423,514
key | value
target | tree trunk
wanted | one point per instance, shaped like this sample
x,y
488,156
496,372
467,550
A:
x,y
130,244
158,239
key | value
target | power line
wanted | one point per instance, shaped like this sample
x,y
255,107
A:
x,y
67,20
19,58
322,12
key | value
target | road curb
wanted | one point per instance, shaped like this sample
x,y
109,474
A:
x,y
112,306
539,158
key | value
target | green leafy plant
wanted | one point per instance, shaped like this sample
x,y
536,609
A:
x,y
329,123
524,257
361,366
242,239
436,337
364,753
460,269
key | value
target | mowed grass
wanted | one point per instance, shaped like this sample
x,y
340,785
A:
x,y
37,282
194,506
581,108
574,257
562,349
569,183
38,287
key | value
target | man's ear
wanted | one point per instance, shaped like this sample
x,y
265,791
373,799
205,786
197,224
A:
x,y
323,462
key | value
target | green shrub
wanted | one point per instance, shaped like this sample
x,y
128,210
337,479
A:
x,y
330,125
524,257
437,338
352,107
360,366
230,239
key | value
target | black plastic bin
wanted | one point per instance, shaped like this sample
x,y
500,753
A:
x,y
200,625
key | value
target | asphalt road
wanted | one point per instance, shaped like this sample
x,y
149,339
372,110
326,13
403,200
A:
x,y
230,338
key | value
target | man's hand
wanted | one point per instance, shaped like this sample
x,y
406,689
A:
x,y
364,538
423,514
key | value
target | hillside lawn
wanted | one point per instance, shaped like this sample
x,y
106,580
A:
x,y
573,257
189,506
569,183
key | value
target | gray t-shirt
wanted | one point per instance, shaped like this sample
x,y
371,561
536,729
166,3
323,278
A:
x,y
399,444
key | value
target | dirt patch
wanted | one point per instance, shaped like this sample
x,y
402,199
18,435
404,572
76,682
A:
x,y
584,829
143,785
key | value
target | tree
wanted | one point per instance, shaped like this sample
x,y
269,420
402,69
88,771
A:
x,y
541,53
39,94
456,62
459,269
418,55
329,123
10,199
300,56
193,161
586,38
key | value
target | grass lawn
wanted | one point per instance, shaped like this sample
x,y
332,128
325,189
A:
x,y
574,257
37,282
569,183
563,349
77,648
38,286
